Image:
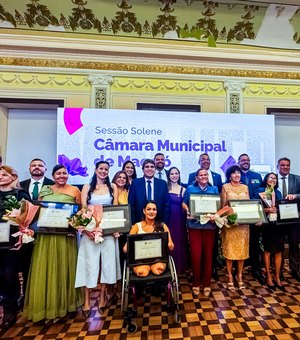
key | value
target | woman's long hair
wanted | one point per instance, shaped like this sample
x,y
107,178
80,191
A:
x,y
15,184
168,177
134,170
93,183
158,224
117,174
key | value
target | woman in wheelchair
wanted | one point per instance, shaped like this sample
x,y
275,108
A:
x,y
150,224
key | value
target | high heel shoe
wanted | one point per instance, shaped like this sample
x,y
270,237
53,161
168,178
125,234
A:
x,y
101,309
271,287
281,287
241,284
230,285
86,312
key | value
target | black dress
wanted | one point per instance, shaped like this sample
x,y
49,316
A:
x,y
12,261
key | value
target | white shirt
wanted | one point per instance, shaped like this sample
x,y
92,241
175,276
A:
x,y
210,177
31,185
152,187
280,183
163,175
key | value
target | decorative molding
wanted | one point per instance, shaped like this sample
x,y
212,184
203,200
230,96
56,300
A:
x,y
234,103
44,80
100,100
165,85
235,86
100,80
272,90
139,68
234,95
100,90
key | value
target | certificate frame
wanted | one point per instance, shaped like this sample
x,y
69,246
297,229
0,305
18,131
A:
x,y
251,211
211,206
116,213
144,241
287,211
61,211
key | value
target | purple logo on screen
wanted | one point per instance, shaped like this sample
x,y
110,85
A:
x,y
229,162
72,119
74,166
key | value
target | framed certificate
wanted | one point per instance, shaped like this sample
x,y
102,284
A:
x,y
116,218
204,204
147,248
287,211
52,218
248,211
4,232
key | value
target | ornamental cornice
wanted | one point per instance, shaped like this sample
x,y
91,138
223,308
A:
x,y
144,68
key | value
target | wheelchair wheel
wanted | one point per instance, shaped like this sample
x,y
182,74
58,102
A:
x,y
132,327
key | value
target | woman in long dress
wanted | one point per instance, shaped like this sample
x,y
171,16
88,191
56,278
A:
x,y
235,240
98,258
51,293
177,221
11,261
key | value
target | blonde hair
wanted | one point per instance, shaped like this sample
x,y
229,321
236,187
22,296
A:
x,y
11,171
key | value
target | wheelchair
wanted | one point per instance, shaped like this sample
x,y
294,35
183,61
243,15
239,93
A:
x,y
146,249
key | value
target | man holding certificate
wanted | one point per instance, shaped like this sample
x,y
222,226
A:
x,y
289,186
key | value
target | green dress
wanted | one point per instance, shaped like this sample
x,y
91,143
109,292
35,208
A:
x,y
51,293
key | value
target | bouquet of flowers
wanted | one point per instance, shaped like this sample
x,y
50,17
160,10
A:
x,y
223,217
269,198
89,219
20,214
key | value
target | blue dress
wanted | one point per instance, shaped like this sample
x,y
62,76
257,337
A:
x,y
94,257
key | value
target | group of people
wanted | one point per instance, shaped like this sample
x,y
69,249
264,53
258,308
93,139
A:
x,y
58,275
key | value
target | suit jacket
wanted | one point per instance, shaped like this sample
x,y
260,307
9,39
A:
x,y
26,183
294,185
217,179
137,198
254,181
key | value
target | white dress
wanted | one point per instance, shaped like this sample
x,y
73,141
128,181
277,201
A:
x,y
92,256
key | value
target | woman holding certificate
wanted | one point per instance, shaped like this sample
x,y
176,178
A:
x,y
202,236
10,260
51,293
272,234
98,258
235,240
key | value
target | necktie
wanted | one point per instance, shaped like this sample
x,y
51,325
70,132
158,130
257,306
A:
x,y
284,191
246,178
35,191
159,175
149,190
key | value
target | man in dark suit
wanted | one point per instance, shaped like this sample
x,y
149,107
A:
x,y
213,177
148,188
253,180
33,185
289,185
159,161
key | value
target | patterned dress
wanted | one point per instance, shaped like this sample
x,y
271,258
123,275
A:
x,y
235,240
